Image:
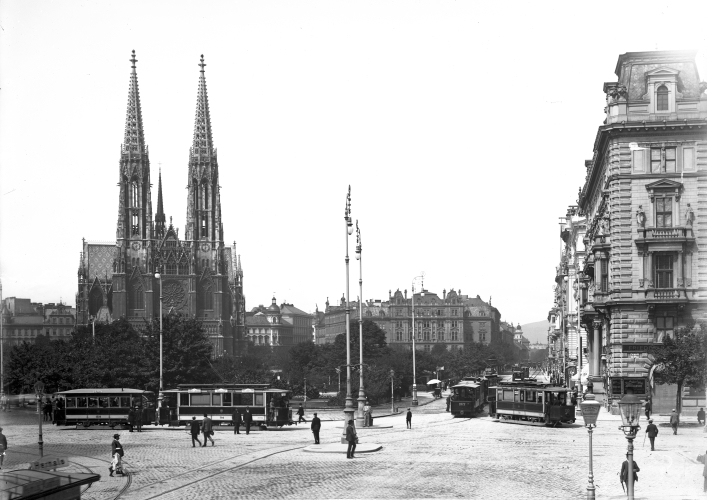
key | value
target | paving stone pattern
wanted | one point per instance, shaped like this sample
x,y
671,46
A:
x,y
440,457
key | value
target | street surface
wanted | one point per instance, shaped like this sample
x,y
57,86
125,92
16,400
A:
x,y
440,457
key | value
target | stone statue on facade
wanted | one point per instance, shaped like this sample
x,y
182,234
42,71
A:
x,y
689,216
641,216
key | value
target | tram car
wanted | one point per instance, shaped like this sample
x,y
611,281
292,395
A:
x,y
101,406
468,397
533,402
270,407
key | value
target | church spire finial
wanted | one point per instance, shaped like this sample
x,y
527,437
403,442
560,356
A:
x,y
134,141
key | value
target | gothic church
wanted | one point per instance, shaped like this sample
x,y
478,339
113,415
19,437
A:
x,y
200,276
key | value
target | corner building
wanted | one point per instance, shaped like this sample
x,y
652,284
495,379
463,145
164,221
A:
x,y
645,199
201,276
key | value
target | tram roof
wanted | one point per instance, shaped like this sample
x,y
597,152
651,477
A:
x,y
223,386
226,388
537,386
467,383
103,390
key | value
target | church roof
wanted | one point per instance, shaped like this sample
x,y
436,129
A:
x,y
100,259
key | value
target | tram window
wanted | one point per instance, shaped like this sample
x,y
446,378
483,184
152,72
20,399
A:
x,y
522,396
227,399
114,402
103,402
216,400
540,397
81,402
508,394
530,396
246,399
259,399
71,402
124,401
184,399
92,402
200,400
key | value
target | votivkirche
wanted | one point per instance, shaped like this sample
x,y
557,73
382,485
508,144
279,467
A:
x,y
200,276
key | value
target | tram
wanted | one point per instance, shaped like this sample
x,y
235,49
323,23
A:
x,y
532,401
270,407
103,406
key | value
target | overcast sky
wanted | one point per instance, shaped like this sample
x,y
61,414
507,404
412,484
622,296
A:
x,y
462,128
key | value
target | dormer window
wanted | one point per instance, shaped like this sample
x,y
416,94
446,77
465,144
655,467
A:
x,y
662,99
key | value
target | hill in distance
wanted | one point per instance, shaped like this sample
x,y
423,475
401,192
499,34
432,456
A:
x,y
536,332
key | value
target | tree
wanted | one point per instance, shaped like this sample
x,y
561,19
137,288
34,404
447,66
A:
x,y
683,359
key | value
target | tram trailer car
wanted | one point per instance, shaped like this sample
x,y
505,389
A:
x,y
103,406
269,407
531,401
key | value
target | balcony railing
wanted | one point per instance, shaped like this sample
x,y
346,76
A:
x,y
666,294
665,233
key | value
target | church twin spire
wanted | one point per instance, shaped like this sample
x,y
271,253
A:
x,y
134,141
203,139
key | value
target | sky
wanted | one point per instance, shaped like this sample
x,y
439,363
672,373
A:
x,y
462,128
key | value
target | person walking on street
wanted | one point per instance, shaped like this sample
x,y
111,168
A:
x,y
648,408
47,409
237,420
207,427
316,427
194,427
300,412
408,419
138,418
674,421
624,473
131,419
117,453
247,419
3,447
352,439
652,431
701,416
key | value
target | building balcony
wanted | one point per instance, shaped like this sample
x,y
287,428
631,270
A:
x,y
666,295
665,234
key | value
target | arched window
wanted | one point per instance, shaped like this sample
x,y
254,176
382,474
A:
x,y
662,98
171,267
136,295
183,266
133,194
205,297
206,195
95,300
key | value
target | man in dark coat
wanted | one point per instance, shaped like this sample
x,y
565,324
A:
x,y
408,419
316,427
624,473
300,412
131,419
138,418
652,432
117,453
207,427
351,438
237,421
648,408
247,419
194,428
674,421
701,416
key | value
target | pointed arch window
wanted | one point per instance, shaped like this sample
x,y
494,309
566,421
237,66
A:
x,y
134,198
136,297
204,226
171,267
183,267
95,300
205,297
662,98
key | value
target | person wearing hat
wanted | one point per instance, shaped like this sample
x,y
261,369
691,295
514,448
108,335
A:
x,y
652,431
701,416
408,419
117,453
3,447
352,439
316,427
674,421
624,472
195,429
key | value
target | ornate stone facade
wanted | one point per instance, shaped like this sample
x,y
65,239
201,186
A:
x,y
200,275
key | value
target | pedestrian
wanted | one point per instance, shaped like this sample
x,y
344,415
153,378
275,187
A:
x,y
449,400
53,414
367,415
701,416
352,439
131,419
237,420
300,412
47,408
207,427
194,427
117,453
652,431
247,419
624,473
3,447
648,408
316,427
408,419
138,418
674,421
573,397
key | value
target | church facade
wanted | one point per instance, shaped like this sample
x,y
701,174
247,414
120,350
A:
x,y
198,274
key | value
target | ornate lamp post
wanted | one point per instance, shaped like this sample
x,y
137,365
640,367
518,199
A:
x,y
630,407
392,391
160,397
590,412
349,408
361,392
414,374
39,391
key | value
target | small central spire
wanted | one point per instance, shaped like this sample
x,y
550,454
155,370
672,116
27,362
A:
x,y
202,64
133,60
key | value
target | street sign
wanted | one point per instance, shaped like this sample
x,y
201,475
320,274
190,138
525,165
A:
x,y
49,463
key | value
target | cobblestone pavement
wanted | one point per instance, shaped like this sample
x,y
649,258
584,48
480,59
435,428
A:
x,y
440,457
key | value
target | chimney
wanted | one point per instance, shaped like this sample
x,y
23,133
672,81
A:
x,y
406,294
444,293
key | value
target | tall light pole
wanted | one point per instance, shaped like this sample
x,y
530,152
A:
x,y
2,355
160,397
590,412
565,312
349,408
39,391
392,391
414,372
361,392
630,408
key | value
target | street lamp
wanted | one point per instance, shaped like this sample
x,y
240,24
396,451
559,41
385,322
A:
x,y
2,357
39,392
630,408
392,391
361,392
349,408
414,375
590,411
160,397
564,330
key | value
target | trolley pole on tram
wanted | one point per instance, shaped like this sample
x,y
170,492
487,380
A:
x,y
349,409
361,393
414,374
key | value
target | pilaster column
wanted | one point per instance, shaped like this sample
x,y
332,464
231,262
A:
x,y
681,276
649,270
595,365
